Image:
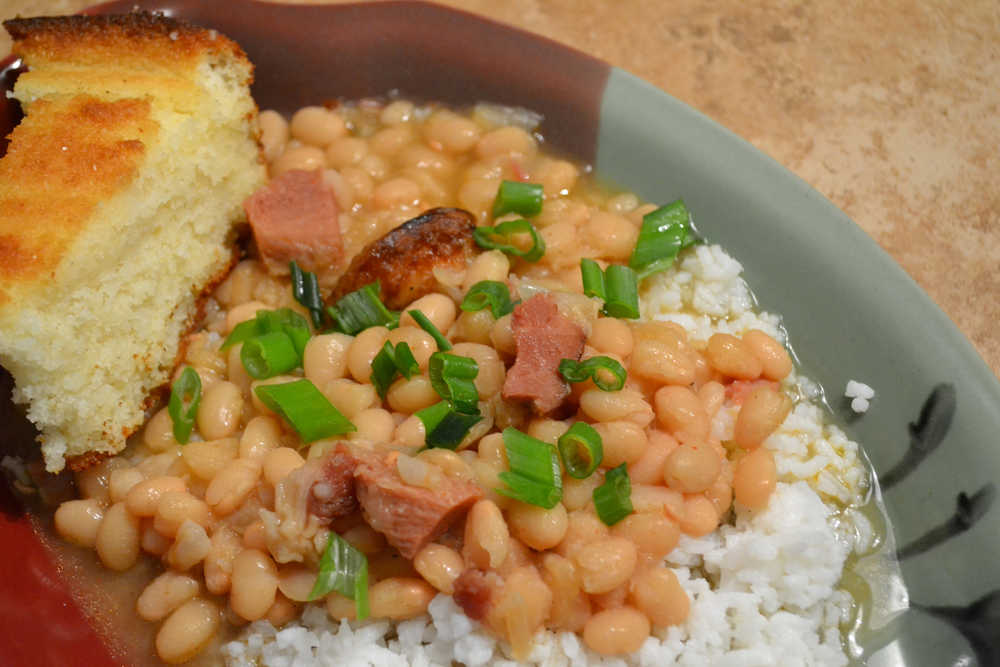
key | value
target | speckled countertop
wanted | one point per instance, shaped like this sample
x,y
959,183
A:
x,y
890,109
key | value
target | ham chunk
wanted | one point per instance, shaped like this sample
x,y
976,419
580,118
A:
x,y
544,337
474,591
409,516
294,217
404,259
331,495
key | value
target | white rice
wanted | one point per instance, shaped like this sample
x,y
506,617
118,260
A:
x,y
763,590
860,395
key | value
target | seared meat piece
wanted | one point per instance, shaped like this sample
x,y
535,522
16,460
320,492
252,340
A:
x,y
474,590
409,516
332,493
402,260
294,217
544,338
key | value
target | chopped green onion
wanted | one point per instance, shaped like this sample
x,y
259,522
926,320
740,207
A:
x,y
499,237
305,289
444,426
389,362
593,278
595,369
242,332
343,569
268,355
534,475
429,327
384,369
581,450
406,363
269,321
452,378
664,233
622,288
518,197
617,285
613,499
361,309
305,407
288,321
273,342
185,395
490,293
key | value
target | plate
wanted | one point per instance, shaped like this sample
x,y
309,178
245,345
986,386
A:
x,y
852,313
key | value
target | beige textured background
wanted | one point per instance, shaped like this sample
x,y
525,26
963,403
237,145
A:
x,y
890,109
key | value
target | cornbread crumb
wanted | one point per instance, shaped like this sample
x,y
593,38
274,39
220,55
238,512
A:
x,y
118,197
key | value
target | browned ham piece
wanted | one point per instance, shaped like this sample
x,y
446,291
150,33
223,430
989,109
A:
x,y
409,516
402,260
473,592
332,494
294,217
544,338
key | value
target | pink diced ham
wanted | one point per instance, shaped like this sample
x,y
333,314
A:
x,y
544,337
409,516
294,217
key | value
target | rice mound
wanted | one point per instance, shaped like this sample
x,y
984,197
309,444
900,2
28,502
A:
x,y
763,590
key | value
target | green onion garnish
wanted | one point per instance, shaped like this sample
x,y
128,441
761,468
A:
x,y
499,237
593,278
618,286
305,289
241,332
344,569
613,499
622,288
269,354
595,368
361,309
581,450
269,321
305,407
534,475
518,197
288,321
452,378
429,327
384,369
185,395
389,362
490,293
664,233
273,342
444,426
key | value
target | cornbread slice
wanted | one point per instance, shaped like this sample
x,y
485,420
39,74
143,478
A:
x,y
118,196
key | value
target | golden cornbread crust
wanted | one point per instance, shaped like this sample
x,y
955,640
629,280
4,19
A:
x,y
127,38
84,149
71,155
119,194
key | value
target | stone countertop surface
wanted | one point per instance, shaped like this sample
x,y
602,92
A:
x,y
890,109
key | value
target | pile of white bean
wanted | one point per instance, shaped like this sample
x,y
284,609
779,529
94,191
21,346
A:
x,y
198,507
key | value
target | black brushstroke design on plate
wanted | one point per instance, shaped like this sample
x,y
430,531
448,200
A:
x,y
978,622
968,511
926,434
